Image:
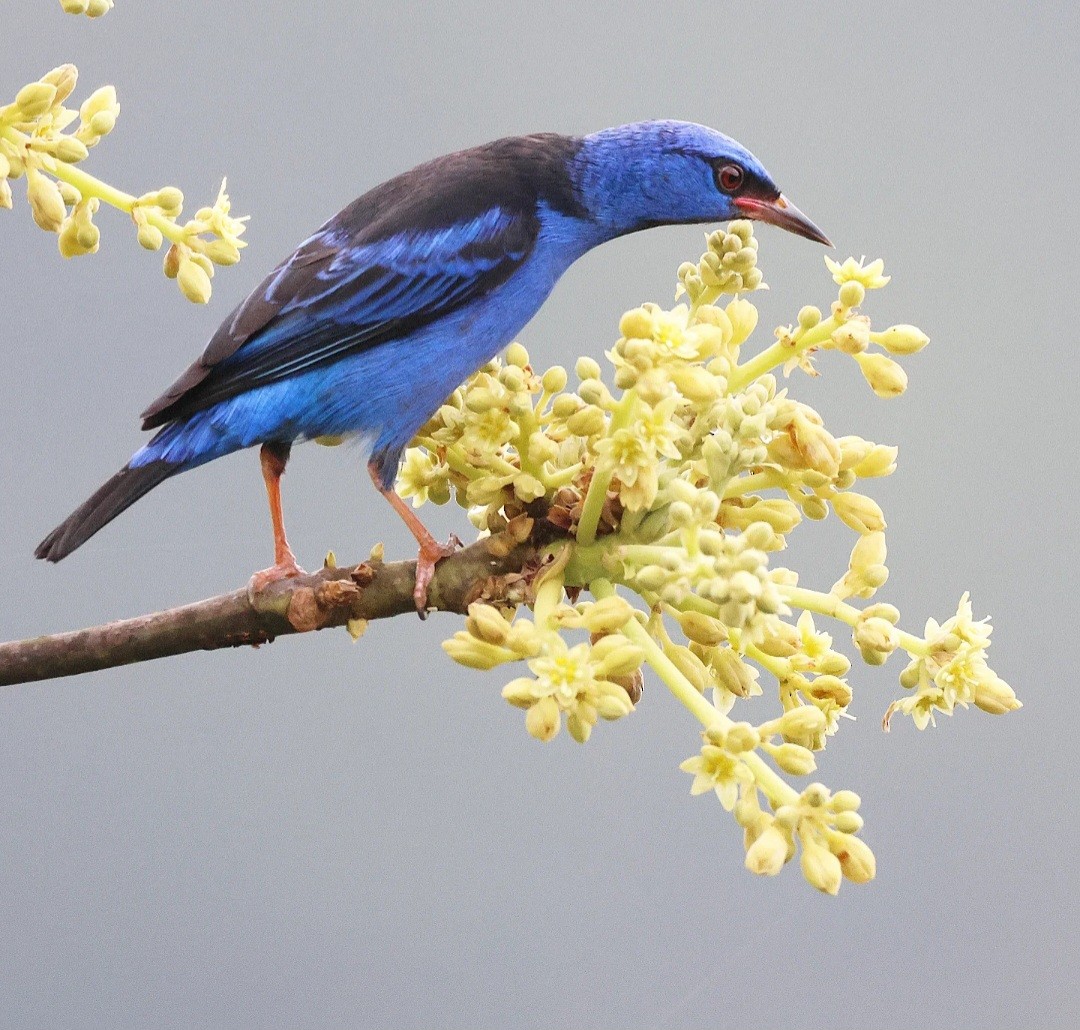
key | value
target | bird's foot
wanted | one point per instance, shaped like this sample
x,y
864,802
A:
x,y
431,553
285,569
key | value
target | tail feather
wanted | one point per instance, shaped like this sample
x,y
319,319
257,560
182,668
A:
x,y
119,493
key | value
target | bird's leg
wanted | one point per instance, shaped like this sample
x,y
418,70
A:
x,y
430,548
274,457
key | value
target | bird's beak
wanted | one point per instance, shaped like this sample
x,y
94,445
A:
x,y
784,213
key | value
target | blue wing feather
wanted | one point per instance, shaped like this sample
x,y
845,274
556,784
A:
x,y
338,295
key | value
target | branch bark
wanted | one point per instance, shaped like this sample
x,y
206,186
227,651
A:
x,y
328,598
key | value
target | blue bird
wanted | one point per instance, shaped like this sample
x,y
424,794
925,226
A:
x,y
375,319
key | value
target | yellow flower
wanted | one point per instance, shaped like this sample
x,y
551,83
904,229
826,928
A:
x,y
422,477
953,672
716,768
854,271
574,680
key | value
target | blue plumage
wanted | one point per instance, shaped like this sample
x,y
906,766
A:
x,y
378,316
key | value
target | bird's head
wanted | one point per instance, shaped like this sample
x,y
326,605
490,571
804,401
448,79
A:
x,y
662,173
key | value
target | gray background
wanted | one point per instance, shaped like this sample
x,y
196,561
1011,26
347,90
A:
x,y
323,834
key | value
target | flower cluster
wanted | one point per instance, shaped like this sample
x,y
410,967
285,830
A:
x,y
679,484
585,681
950,669
91,8
38,142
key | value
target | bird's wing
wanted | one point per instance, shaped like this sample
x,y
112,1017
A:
x,y
343,292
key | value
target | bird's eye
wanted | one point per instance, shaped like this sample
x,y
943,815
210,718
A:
x,y
729,177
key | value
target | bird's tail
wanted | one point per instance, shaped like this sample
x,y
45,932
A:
x,y
119,493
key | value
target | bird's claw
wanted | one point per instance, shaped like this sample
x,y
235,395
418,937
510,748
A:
x,y
431,553
288,569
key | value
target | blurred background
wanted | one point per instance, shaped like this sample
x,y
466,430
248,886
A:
x,y
325,834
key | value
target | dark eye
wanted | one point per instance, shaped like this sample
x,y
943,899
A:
x,y
729,177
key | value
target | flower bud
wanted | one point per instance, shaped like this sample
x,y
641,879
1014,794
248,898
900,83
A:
x,y
741,737
821,868
607,615
995,697
852,293
885,376
857,861
636,324
614,655
473,653
70,150
46,204
204,263
744,319
554,379
593,391
487,623
63,78
858,512
171,263
520,692
613,701
35,99
794,759
732,673
881,461
809,316
517,356
845,801
830,688
767,855
75,6
853,450
542,449
170,200
542,719
68,239
816,445
853,337
692,667
150,236
589,421
587,368
876,639
805,721
901,339
848,822
578,723
702,629
103,123
101,101
222,252
87,233
96,8
528,488
193,281
694,383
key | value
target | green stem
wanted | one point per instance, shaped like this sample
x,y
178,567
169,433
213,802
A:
x,y
743,485
780,352
90,186
776,790
601,480
830,605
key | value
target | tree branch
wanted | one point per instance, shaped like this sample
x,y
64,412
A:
x,y
491,568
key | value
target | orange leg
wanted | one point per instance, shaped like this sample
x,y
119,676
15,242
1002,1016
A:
x,y
273,458
430,548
